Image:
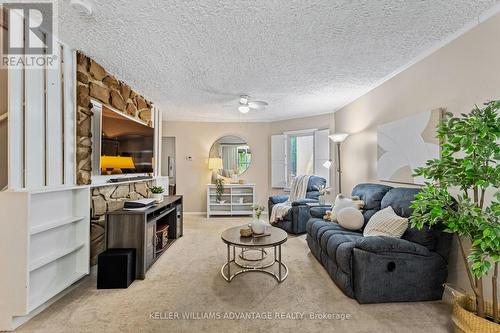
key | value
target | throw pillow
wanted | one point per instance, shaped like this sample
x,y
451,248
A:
x,y
341,202
350,218
386,222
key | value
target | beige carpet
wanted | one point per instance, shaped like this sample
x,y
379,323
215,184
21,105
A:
x,y
187,279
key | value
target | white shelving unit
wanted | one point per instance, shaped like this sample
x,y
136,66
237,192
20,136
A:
x,y
48,231
238,200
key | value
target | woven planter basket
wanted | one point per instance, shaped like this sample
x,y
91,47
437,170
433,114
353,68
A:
x,y
467,322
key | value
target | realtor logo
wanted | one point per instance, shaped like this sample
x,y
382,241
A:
x,y
28,33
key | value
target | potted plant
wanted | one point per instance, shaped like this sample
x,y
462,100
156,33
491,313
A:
x,y
157,193
258,226
219,189
258,210
468,168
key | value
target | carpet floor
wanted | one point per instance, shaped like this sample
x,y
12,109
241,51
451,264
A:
x,y
184,292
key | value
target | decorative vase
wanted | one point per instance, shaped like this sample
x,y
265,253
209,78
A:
x,y
158,197
258,226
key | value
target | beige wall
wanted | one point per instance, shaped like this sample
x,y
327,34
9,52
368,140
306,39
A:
x,y
457,76
195,139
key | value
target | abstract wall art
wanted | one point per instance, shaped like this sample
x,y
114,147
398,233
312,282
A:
x,y
406,144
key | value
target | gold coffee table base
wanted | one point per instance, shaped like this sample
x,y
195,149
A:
x,y
242,268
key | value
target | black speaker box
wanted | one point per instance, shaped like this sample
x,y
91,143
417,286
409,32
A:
x,y
115,268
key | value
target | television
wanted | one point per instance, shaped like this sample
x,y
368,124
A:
x,y
127,145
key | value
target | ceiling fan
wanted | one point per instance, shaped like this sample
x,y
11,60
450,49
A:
x,y
246,104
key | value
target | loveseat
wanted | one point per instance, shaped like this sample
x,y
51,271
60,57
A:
x,y
295,221
378,268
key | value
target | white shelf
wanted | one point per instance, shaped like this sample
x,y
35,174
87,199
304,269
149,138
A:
x,y
41,299
55,224
36,264
246,191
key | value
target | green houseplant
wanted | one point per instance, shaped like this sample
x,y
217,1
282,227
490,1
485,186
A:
x,y
219,189
468,169
157,193
258,210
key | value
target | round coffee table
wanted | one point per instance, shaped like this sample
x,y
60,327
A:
x,y
233,239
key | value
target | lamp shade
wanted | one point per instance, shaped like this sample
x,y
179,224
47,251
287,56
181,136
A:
x,y
215,163
117,162
338,137
327,164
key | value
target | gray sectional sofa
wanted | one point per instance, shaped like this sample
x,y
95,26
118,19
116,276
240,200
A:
x,y
381,269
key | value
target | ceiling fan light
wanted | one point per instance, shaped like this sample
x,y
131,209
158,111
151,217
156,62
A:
x,y
244,108
83,7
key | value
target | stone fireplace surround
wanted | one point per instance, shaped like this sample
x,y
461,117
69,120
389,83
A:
x,y
94,82
107,199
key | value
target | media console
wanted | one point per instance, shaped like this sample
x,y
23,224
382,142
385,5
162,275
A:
x,y
150,231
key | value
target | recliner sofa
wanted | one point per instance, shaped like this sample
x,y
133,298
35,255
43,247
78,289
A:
x,y
379,269
296,219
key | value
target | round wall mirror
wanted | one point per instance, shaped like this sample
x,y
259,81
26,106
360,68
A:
x,y
230,156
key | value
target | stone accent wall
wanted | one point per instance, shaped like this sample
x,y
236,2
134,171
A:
x,y
93,81
107,199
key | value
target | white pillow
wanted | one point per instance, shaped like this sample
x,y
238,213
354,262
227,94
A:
x,y
386,223
340,203
350,218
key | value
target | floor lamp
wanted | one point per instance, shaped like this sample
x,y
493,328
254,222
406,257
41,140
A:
x,y
338,138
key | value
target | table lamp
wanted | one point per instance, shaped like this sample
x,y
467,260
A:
x,y
215,164
114,164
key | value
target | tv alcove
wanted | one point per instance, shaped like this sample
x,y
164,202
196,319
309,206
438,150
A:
x,y
150,231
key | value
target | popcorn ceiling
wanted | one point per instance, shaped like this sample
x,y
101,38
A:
x,y
193,58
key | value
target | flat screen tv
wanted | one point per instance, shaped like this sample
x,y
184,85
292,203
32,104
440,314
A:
x,y
126,145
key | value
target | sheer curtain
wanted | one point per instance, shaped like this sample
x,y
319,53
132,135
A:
x,y
230,157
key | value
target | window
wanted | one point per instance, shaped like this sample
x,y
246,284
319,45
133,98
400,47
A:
x,y
299,153
244,157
